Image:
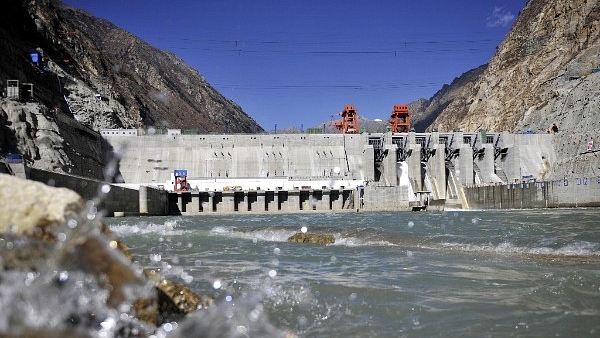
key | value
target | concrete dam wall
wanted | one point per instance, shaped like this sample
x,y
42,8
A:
x,y
384,171
329,172
151,159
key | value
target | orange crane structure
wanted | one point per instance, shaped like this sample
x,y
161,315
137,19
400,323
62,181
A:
x,y
349,122
400,119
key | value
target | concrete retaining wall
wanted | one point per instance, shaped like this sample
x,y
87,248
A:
x,y
88,160
566,193
119,199
377,198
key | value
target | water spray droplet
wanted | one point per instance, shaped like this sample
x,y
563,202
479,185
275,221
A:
x,y
411,224
72,223
63,276
277,251
302,320
113,244
304,229
108,324
168,327
217,284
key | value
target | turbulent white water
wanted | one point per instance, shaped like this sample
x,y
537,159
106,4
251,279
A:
x,y
475,274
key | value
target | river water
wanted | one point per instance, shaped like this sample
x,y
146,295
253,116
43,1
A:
x,y
532,273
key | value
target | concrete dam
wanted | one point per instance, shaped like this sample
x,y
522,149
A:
x,y
356,172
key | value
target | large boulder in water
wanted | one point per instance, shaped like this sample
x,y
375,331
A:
x,y
54,234
60,217
302,237
33,208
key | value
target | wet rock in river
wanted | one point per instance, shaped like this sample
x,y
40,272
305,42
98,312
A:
x,y
301,237
46,231
33,208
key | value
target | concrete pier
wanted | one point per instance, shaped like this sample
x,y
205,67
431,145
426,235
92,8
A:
x,y
258,201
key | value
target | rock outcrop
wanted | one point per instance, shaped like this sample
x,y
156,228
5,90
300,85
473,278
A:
x,y
451,98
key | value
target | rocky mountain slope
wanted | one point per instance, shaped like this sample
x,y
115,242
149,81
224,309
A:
x,y
91,75
451,97
545,72
551,44
106,77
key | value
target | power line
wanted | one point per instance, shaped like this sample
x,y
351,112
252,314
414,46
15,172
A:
x,y
324,48
367,87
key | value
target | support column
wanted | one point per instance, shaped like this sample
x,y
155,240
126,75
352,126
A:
x,y
293,202
211,202
485,162
143,198
464,165
326,199
414,163
389,176
436,167
194,206
226,203
261,202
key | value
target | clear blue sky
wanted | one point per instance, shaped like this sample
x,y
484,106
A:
x,y
297,63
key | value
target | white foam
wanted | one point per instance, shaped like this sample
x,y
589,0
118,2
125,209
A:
x,y
168,228
357,242
267,235
581,248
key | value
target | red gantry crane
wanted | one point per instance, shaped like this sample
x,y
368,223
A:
x,y
349,122
400,119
